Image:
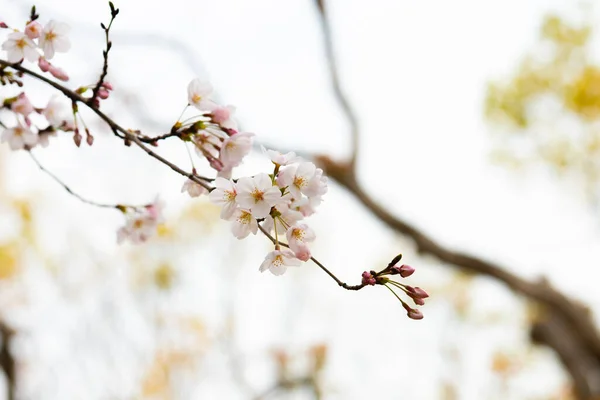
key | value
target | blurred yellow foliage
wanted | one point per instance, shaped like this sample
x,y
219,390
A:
x,y
8,261
557,73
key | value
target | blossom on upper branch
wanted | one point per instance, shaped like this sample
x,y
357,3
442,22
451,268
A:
x,y
243,224
193,189
19,46
198,92
54,39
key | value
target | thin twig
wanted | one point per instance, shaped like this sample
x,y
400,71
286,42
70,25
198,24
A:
x,y
319,264
119,131
68,189
113,14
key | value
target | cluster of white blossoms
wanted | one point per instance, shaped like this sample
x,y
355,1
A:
x,y
36,43
280,200
49,39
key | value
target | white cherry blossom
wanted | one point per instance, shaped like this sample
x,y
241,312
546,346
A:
x,y
18,46
198,93
19,137
281,159
243,224
22,105
193,189
224,194
235,148
223,116
53,111
277,261
297,178
54,39
298,237
258,194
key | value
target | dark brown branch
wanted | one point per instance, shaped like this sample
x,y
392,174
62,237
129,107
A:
x,y
340,96
580,330
7,361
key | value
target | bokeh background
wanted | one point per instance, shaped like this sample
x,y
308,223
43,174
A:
x,y
478,124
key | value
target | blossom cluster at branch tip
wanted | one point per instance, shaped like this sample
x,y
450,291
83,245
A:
x,y
140,222
417,294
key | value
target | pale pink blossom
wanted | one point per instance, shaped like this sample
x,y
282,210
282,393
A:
x,y
281,159
22,105
54,39
298,237
235,148
224,194
19,137
198,93
155,209
193,189
33,30
258,194
297,178
138,228
44,138
243,224
223,116
277,261
317,186
305,206
18,46
53,111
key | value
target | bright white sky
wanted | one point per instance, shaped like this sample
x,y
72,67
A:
x,y
415,71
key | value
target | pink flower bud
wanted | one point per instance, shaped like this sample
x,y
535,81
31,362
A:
x,y
103,94
33,30
107,85
3,25
44,64
77,138
216,164
368,279
419,302
404,270
416,292
59,73
89,139
414,314
303,253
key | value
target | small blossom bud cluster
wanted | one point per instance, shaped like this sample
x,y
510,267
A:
x,y
140,222
49,39
417,294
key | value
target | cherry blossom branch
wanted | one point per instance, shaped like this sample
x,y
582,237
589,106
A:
x,y
69,190
317,262
113,14
118,130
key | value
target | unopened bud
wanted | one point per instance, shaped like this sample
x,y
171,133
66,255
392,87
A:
x,y
404,270
107,86
58,73
416,292
77,138
3,25
216,164
44,64
103,94
395,260
368,278
411,312
89,139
